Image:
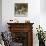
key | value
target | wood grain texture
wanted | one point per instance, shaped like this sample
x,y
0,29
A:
x,y
23,27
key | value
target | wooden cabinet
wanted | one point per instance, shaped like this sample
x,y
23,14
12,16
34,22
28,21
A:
x,y
22,33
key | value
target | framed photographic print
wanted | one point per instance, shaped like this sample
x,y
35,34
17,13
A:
x,y
21,9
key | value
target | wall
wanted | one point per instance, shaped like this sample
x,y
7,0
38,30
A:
x,y
0,15
8,11
43,14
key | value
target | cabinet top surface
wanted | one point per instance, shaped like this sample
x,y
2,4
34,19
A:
x,y
19,23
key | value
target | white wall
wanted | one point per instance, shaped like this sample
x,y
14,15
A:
x,y
43,6
43,14
8,11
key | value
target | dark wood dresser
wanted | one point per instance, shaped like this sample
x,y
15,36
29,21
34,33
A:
x,y
22,33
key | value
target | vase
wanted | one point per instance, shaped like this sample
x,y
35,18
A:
x,y
41,43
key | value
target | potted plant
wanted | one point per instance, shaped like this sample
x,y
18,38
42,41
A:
x,y
41,36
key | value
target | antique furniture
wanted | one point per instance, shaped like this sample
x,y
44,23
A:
x,y
22,33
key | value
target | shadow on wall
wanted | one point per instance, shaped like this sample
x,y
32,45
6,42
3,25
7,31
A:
x,y
0,15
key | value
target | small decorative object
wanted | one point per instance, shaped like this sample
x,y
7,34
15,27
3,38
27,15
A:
x,y
41,36
11,20
16,21
27,21
21,9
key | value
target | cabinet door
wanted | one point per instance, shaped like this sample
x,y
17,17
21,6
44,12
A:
x,y
20,37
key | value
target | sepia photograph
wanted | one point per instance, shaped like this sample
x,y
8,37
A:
x,y
21,9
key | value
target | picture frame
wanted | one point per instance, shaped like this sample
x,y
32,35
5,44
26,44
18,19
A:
x,y
21,9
